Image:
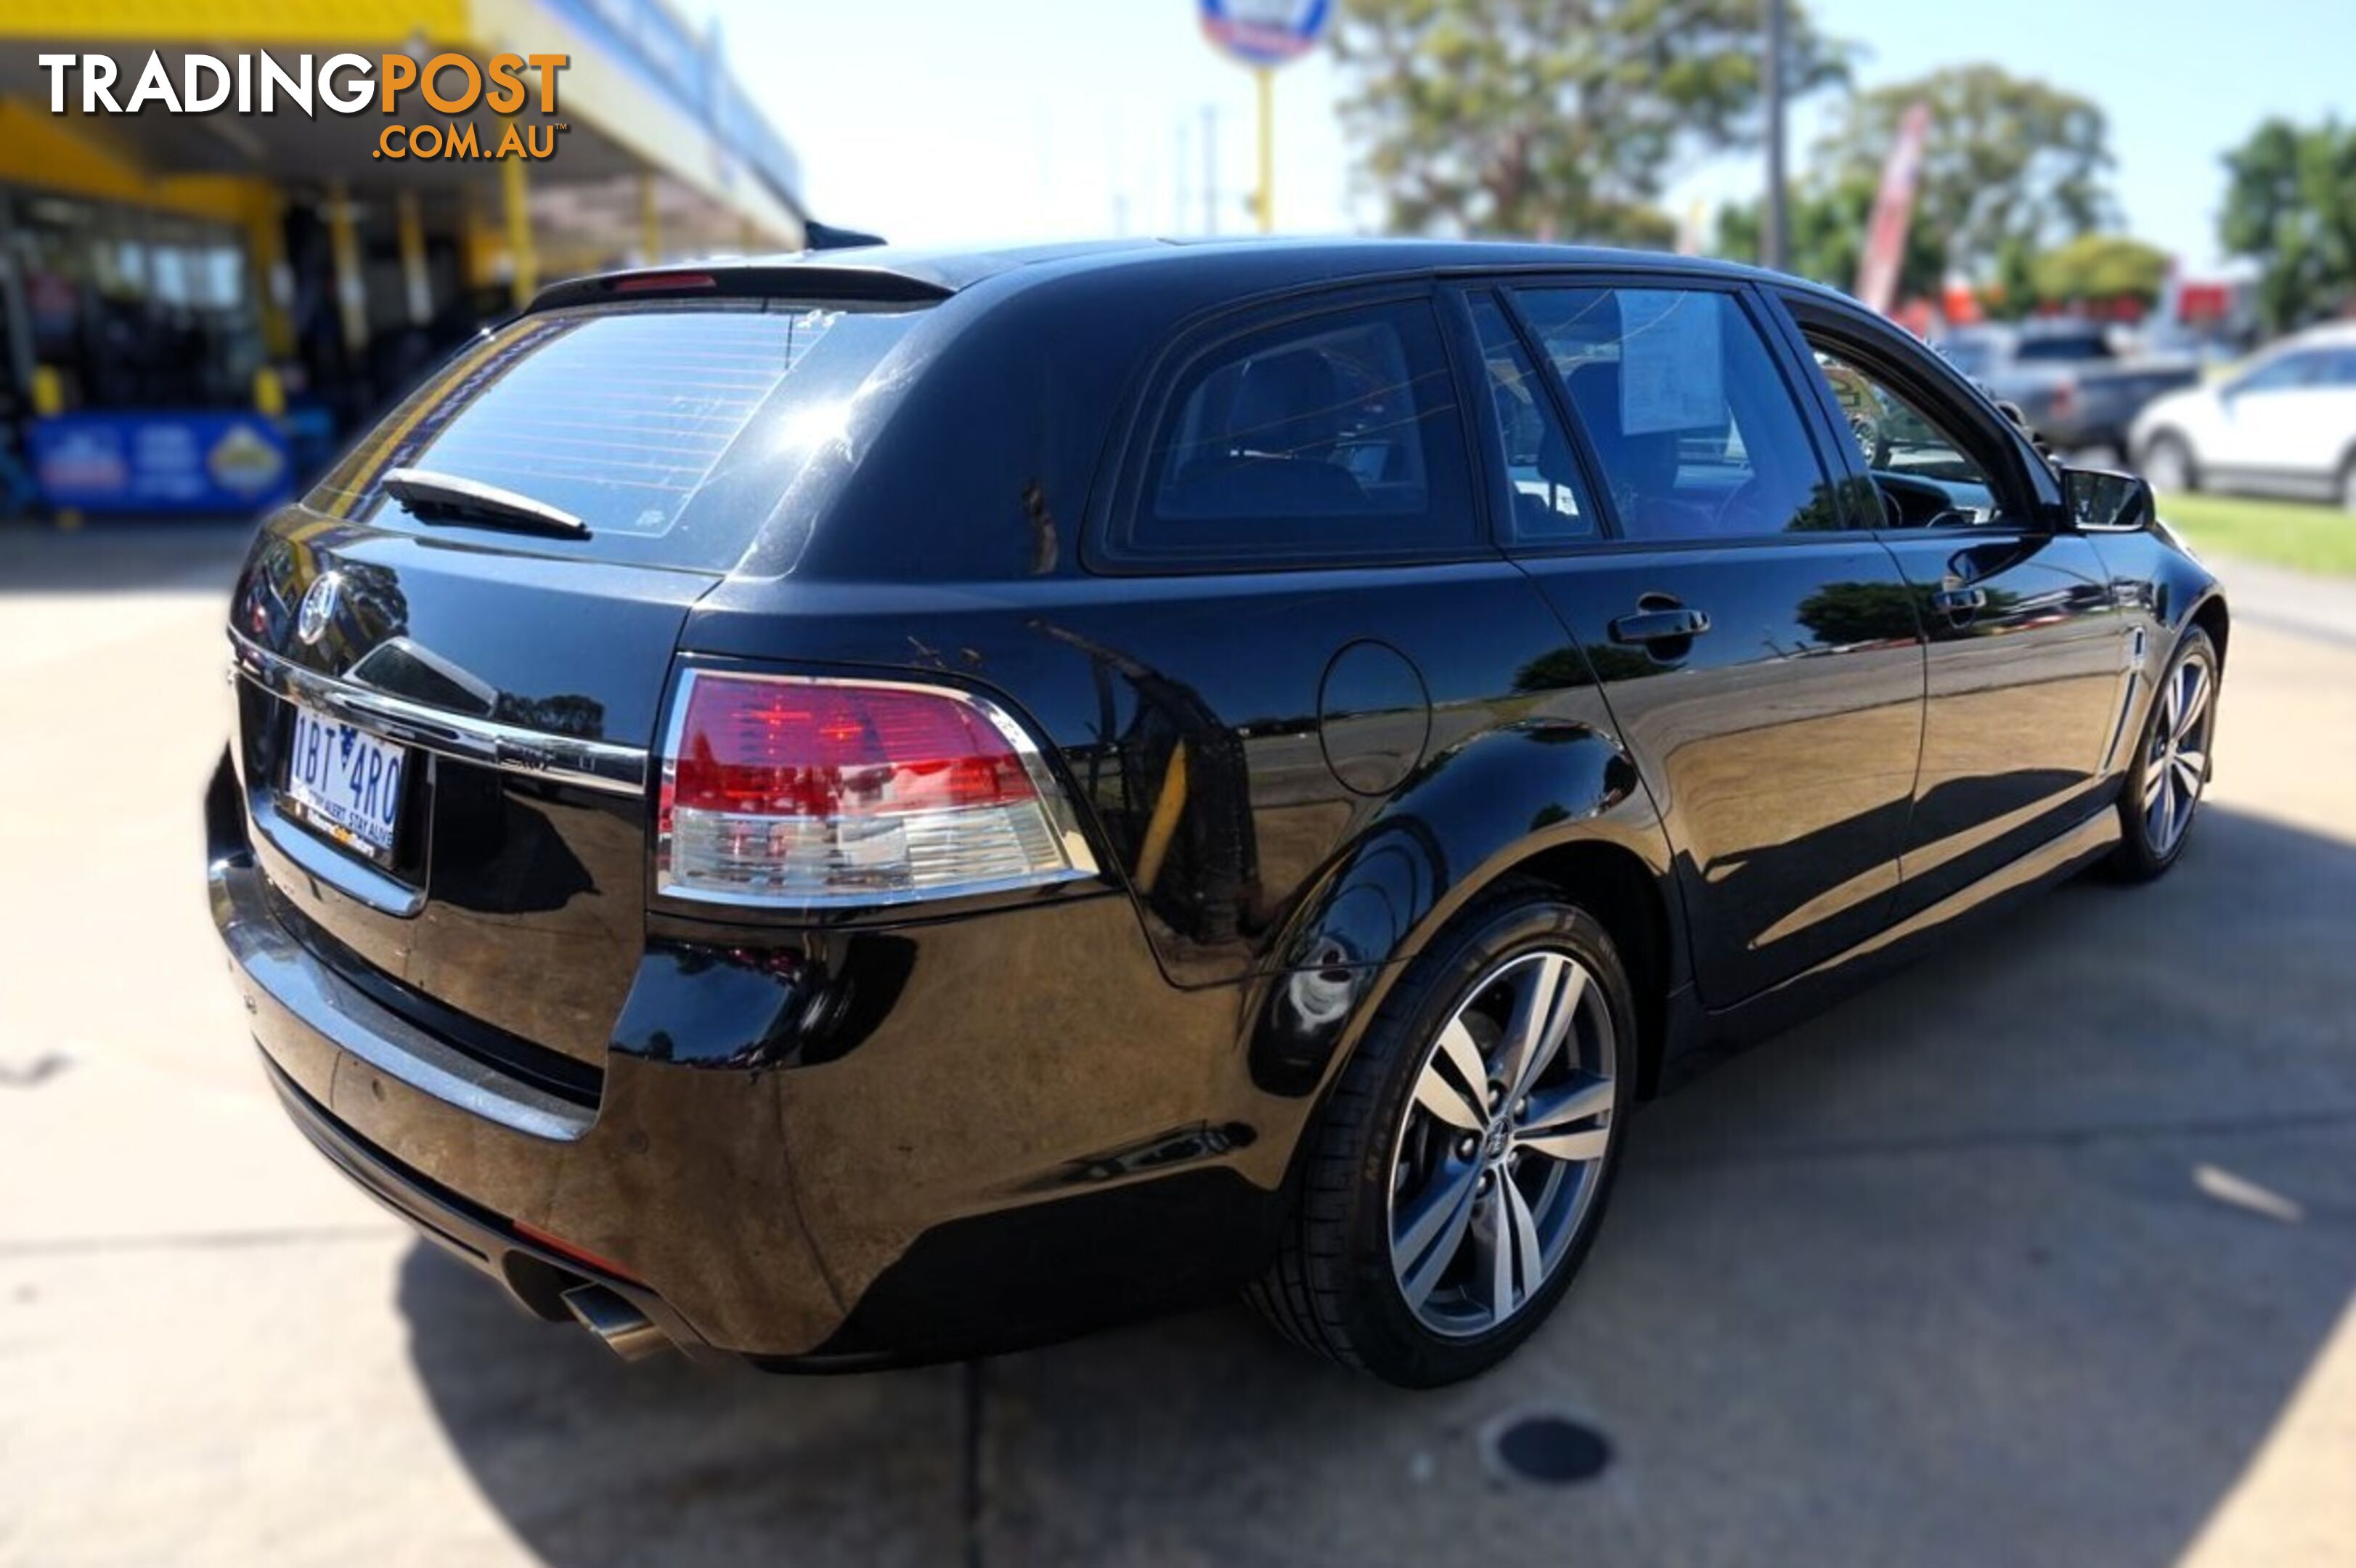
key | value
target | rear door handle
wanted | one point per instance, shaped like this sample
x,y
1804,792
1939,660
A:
x,y
1960,601
1659,626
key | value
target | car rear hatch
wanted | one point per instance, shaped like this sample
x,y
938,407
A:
x,y
453,654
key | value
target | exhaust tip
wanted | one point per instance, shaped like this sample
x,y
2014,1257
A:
x,y
627,1331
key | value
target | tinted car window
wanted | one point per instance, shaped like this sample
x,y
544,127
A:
x,y
1694,428
625,417
1548,496
1972,356
2063,345
1337,437
2285,373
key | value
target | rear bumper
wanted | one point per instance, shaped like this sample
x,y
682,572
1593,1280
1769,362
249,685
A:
x,y
697,1238
535,1276
964,1179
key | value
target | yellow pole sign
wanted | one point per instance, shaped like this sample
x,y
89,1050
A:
x,y
1264,35
1266,200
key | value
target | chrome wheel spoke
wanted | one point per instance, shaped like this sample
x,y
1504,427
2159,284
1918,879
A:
x,y
2196,695
1463,1053
2172,713
1434,1231
2194,704
1499,1240
1492,1165
1542,1017
2155,781
1438,1092
2188,775
1554,1111
1523,1244
1572,1147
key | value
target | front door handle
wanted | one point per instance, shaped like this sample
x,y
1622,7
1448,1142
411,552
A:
x,y
1660,626
1960,601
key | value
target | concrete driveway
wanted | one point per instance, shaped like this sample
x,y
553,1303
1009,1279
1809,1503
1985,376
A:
x,y
2043,1252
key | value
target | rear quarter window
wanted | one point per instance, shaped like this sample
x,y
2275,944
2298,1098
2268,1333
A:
x,y
1331,439
669,429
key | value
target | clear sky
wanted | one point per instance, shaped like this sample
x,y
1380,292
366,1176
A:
x,y
959,120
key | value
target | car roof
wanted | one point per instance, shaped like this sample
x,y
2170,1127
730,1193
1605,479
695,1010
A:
x,y
2332,334
921,273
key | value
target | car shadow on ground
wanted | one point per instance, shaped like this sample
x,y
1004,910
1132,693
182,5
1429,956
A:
x,y
1992,1262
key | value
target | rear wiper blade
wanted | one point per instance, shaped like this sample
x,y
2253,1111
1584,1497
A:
x,y
428,496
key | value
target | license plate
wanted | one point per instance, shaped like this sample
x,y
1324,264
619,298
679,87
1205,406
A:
x,y
344,782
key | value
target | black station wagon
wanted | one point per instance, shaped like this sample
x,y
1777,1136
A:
x,y
879,806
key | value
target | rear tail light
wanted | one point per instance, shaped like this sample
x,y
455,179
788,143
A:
x,y
2065,397
793,793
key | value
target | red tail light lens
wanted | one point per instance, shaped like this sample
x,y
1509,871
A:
x,y
803,793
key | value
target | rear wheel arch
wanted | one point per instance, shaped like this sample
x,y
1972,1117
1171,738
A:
x,y
1625,894
1612,883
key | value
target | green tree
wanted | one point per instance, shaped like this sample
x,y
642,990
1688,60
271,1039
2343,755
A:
x,y
1842,614
2099,269
1554,116
2290,202
2011,165
1827,237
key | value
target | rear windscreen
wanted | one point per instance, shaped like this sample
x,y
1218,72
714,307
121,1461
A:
x,y
670,429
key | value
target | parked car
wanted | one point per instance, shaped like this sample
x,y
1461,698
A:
x,y
2283,425
2071,386
885,806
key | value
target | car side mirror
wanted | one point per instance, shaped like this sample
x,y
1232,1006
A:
x,y
2102,502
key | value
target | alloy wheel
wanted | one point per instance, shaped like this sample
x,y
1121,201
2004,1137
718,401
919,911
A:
x,y
2166,467
1500,1151
2176,762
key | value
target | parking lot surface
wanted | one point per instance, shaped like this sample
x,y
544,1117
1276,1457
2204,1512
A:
x,y
2042,1251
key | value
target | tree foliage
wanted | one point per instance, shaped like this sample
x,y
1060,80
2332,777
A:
x,y
2010,166
1828,223
1563,117
2099,269
2290,203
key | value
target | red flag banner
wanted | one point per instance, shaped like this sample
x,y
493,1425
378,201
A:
x,y
1893,210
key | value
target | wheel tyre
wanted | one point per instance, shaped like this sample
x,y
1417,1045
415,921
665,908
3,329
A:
x,y
2146,850
2168,464
1333,1288
2347,483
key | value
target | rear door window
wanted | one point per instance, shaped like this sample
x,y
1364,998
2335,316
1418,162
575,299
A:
x,y
1547,497
1329,440
670,429
1694,428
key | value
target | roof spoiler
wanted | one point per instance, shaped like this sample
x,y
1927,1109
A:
x,y
746,280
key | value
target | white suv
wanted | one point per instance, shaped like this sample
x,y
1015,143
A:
x,y
2285,425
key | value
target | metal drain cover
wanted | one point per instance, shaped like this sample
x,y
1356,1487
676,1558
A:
x,y
1544,1447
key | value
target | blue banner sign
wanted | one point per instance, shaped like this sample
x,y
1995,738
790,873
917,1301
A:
x,y
154,461
1265,32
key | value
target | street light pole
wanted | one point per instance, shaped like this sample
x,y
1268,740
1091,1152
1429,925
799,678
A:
x,y
1774,218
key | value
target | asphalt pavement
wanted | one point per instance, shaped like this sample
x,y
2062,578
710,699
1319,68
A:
x,y
2042,1251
